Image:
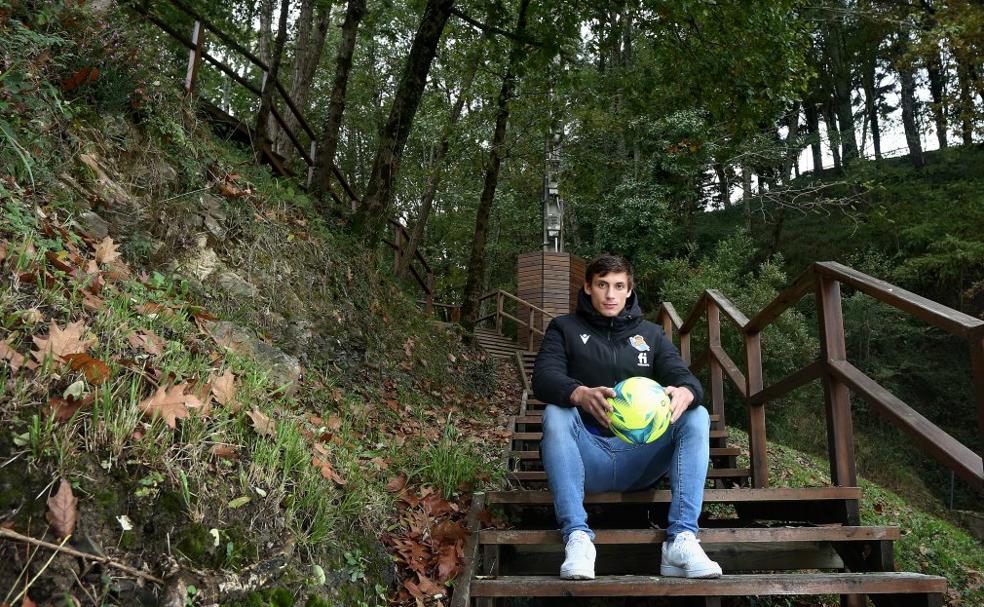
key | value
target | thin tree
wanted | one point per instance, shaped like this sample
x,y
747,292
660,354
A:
x,y
269,82
476,264
437,171
336,102
379,189
312,29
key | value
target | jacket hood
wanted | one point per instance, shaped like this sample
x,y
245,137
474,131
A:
x,y
629,316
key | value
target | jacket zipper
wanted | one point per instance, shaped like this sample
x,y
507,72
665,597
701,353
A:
x,y
611,345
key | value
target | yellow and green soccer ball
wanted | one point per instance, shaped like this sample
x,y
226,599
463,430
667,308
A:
x,y
641,412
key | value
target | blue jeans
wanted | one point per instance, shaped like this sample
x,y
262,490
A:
x,y
577,461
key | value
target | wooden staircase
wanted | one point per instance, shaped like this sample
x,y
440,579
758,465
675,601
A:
x,y
770,541
496,344
807,539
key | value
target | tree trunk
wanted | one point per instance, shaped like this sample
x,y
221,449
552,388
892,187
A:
x,y
840,67
379,189
476,264
965,80
937,88
336,102
312,28
724,185
872,98
813,124
746,193
269,83
437,172
792,142
833,135
910,122
265,41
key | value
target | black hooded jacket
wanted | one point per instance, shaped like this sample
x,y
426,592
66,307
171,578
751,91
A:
x,y
587,348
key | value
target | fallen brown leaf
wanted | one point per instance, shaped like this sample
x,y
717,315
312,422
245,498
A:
x,y
61,342
27,602
12,356
96,371
64,408
262,424
226,451
327,471
224,390
171,404
396,484
62,510
107,251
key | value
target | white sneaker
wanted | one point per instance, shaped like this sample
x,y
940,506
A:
x,y
580,558
685,558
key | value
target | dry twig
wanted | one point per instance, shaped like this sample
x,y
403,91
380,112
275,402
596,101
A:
x,y
105,560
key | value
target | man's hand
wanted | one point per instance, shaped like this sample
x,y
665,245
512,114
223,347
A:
x,y
680,399
593,401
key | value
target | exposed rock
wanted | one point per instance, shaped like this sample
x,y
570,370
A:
x,y
93,225
232,284
213,216
106,188
284,369
201,262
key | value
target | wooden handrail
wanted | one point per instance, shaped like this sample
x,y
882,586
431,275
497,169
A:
x,y
840,376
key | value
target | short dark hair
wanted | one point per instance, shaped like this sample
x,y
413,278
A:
x,y
606,263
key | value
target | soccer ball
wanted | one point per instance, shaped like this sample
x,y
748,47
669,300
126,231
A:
x,y
641,412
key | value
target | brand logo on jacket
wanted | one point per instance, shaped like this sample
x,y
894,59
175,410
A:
x,y
639,343
584,338
643,359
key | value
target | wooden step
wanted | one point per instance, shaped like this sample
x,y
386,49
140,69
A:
x,y
715,452
655,496
539,435
539,475
728,585
536,417
724,535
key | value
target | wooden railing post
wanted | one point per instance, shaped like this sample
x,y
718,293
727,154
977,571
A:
x,y
194,55
398,241
529,331
430,293
498,312
716,374
977,373
314,160
667,324
837,396
757,446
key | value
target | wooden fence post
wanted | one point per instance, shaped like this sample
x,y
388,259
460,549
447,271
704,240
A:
x,y
498,312
529,331
397,240
430,293
837,396
716,373
194,55
314,159
977,373
757,446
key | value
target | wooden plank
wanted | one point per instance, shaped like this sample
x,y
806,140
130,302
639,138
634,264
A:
x,y
946,318
712,473
837,397
539,435
730,368
730,309
715,452
707,536
657,496
772,584
933,440
758,450
801,286
787,384
462,588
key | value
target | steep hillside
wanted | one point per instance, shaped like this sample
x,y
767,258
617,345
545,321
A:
x,y
233,389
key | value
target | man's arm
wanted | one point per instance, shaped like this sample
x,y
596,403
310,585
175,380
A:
x,y
551,383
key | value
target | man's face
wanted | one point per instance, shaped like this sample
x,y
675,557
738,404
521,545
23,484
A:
x,y
608,293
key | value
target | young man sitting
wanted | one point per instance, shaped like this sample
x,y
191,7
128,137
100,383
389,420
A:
x,y
582,356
